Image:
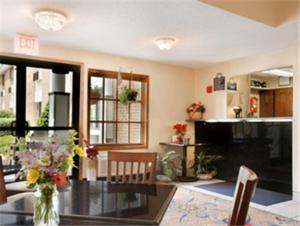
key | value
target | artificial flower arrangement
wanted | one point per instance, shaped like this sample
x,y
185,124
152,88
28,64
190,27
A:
x,y
180,130
45,166
196,110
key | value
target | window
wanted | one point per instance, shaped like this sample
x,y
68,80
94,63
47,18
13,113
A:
x,y
112,125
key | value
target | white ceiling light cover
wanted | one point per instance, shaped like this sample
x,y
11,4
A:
x,y
50,20
165,42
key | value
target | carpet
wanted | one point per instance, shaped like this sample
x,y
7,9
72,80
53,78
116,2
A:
x,y
262,196
192,208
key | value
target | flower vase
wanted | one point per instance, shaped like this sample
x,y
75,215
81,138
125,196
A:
x,y
46,205
180,138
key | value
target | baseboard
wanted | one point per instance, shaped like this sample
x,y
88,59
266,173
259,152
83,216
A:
x,y
296,196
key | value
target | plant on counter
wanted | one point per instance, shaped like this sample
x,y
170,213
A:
x,y
167,165
45,166
196,110
204,164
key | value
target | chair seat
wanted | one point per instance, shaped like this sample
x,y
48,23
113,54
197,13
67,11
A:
x,y
17,187
15,197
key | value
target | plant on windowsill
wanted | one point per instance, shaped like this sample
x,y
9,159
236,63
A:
x,y
167,166
203,165
128,95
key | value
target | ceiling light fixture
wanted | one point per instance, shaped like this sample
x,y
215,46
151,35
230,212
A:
x,y
165,43
50,20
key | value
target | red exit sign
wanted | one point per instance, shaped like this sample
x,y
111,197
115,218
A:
x,y
26,44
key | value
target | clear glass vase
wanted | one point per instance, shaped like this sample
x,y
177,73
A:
x,y
46,205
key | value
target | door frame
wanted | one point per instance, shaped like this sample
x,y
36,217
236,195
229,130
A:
x,y
23,61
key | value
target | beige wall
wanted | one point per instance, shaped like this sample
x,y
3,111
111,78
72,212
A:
x,y
171,87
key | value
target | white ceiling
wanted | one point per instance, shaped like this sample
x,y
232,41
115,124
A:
x,y
127,27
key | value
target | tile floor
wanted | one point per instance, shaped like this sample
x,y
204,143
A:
x,y
290,209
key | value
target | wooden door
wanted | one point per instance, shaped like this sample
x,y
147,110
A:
x,y
283,102
266,106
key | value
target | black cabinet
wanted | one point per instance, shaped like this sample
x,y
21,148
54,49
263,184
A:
x,y
263,146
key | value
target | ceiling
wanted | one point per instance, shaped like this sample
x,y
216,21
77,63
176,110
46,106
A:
x,y
270,12
206,34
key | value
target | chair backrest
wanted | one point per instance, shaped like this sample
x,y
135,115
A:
x,y
136,161
244,190
3,198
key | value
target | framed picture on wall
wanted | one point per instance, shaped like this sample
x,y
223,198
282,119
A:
x,y
284,81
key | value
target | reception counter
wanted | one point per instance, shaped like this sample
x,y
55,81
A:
x,y
264,145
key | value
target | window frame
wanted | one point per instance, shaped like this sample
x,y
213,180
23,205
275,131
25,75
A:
x,y
144,122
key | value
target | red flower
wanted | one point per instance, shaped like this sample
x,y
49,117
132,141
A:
x,y
60,179
180,128
91,152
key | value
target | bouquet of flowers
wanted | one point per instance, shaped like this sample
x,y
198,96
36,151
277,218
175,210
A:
x,y
196,107
91,151
180,128
45,166
196,110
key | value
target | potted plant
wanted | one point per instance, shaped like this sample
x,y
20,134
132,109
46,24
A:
x,y
204,165
167,166
196,110
180,130
127,95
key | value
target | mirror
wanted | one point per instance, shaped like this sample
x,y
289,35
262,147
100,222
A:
x,y
262,94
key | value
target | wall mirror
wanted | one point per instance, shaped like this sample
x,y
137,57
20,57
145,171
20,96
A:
x,y
262,94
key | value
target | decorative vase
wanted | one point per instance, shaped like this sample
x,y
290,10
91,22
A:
x,y
92,167
177,138
195,115
205,176
46,205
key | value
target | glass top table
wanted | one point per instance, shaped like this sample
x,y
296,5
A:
x,y
99,202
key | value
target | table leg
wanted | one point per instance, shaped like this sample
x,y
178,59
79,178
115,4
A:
x,y
183,163
184,177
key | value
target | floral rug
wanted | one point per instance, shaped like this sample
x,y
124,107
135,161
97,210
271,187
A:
x,y
193,208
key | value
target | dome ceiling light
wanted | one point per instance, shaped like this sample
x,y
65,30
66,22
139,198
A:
x,y
50,20
165,42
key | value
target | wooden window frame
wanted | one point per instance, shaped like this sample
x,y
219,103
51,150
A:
x,y
144,109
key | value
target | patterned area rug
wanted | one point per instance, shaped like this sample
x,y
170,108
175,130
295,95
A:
x,y
193,208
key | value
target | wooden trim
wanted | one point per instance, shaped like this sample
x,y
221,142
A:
x,y
106,147
38,58
144,79
3,198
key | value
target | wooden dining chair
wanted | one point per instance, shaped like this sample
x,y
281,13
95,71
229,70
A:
x,y
3,198
244,190
136,161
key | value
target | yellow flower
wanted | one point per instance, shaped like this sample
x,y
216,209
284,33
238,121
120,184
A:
x,y
32,176
36,166
70,160
78,150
